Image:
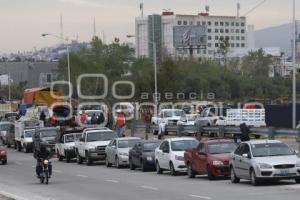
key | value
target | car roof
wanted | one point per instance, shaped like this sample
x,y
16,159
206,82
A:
x,y
128,138
98,130
171,110
179,139
150,141
253,142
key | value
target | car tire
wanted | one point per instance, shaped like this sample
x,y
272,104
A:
x,y
4,162
19,147
210,175
118,166
60,158
253,178
88,160
107,163
131,165
297,180
233,177
79,159
158,169
172,169
191,173
143,166
68,158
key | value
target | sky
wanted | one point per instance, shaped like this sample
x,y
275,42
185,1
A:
x,y
23,21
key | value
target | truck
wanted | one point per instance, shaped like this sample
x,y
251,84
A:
x,y
45,136
92,144
65,143
24,130
166,117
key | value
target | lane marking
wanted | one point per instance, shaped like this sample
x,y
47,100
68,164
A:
x,y
200,197
82,176
112,181
149,187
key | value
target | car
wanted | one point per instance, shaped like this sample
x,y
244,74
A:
x,y
3,154
5,128
211,157
142,155
170,154
65,145
117,152
188,120
209,116
264,160
92,144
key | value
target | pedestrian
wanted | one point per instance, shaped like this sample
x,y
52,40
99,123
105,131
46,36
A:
x,y
120,123
83,117
94,119
245,131
100,118
43,117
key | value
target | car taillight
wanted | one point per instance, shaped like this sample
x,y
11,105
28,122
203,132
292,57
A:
x,y
3,153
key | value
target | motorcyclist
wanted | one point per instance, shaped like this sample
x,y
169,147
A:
x,y
42,154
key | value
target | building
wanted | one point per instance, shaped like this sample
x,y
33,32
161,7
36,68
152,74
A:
x,y
32,74
161,29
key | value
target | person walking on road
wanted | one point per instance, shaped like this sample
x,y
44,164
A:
x,y
120,124
43,117
83,117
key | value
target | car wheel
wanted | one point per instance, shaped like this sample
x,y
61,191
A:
x,y
117,163
233,177
143,167
60,158
107,162
254,181
172,169
158,169
79,159
4,162
88,160
19,147
25,149
297,180
131,165
210,174
190,171
68,158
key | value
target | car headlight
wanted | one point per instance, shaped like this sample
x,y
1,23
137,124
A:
x,y
217,163
92,148
123,154
2,153
181,158
149,158
298,164
264,166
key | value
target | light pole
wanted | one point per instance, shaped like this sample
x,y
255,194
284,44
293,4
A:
x,y
155,69
294,66
68,59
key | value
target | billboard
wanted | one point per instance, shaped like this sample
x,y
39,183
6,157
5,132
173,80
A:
x,y
190,36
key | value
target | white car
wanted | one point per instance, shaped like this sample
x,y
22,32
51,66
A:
x,y
170,154
117,152
188,120
262,160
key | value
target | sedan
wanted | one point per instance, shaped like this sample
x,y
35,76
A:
x,y
117,152
3,154
264,160
142,155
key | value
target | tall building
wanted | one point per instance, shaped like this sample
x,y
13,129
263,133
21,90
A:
x,y
201,34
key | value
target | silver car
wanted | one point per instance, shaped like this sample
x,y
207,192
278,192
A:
x,y
117,152
264,160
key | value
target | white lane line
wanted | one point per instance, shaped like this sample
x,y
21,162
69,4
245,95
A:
x,y
82,176
12,195
200,197
57,171
149,187
112,181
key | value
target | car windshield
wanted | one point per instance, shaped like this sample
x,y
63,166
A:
x,y
77,136
174,113
127,143
191,117
69,138
4,127
182,145
150,147
100,136
271,149
29,133
91,113
218,111
48,133
220,148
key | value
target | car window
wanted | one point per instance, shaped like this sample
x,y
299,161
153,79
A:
x,y
246,149
182,145
127,143
150,147
238,151
100,136
201,148
271,149
162,145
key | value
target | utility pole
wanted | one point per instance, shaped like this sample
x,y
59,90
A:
x,y
294,67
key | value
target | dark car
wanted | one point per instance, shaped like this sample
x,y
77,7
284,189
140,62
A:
x,y
211,157
3,153
142,155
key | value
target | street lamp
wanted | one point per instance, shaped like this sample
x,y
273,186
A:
x,y
294,66
68,59
155,68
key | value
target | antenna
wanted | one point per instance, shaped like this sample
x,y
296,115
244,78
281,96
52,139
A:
x,y
94,27
61,29
238,6
142,9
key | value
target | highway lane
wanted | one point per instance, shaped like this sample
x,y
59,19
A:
x,y
73,181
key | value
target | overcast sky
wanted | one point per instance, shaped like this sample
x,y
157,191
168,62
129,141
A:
x,y
22,21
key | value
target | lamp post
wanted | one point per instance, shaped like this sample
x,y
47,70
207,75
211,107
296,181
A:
x,y
294,66
68,59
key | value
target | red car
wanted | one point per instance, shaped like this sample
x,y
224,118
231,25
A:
x,y
211,157
3,154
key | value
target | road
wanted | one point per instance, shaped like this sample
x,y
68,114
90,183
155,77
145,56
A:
x,y
73,181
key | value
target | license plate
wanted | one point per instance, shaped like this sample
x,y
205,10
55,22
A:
x,y
284,172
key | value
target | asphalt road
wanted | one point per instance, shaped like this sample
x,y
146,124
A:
x,y
73,181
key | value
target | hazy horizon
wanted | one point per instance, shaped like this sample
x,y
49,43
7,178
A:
x,y
23,21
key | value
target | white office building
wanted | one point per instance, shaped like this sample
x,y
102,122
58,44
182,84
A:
x,y
161,28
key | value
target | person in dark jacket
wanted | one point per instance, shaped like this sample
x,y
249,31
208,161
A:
x,y
42,154
245,131
43,117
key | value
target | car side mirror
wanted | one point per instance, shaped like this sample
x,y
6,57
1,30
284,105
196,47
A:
x,y
246,155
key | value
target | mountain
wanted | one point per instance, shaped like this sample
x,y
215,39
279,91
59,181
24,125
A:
x,y
278,36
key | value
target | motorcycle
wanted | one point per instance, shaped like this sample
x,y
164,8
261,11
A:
x,y
44,175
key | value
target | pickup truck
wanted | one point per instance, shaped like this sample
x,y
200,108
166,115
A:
x,y
166,117
92,144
